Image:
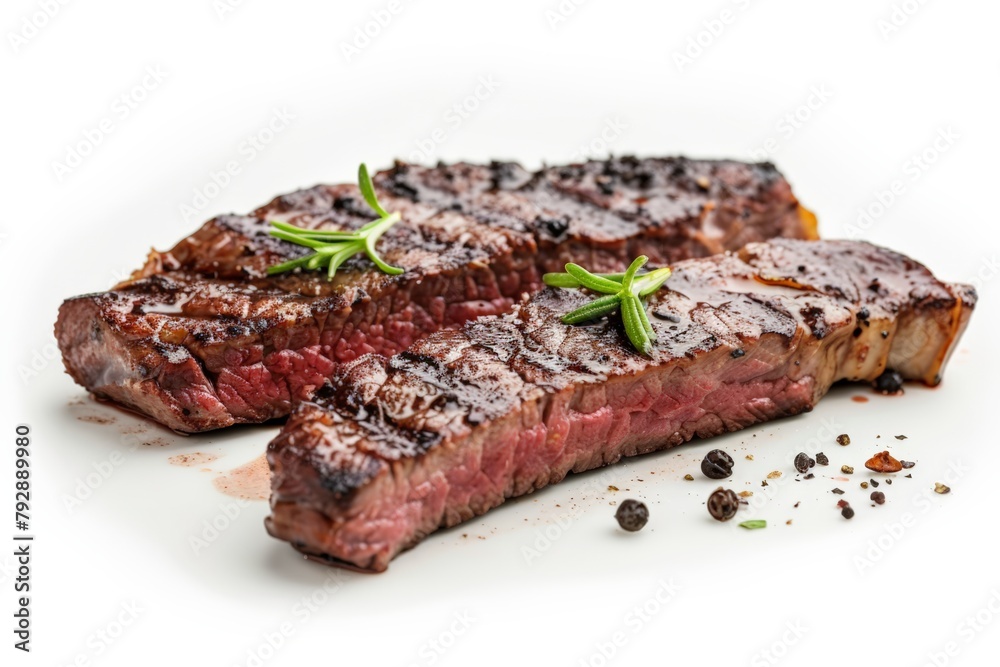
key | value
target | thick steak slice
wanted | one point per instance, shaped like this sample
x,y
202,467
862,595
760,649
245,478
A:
x,y
442,432
201,338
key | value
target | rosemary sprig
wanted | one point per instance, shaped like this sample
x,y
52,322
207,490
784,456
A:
x,y
333,248
623,292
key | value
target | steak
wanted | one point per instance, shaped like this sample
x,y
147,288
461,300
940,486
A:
x,y
393,449
201,337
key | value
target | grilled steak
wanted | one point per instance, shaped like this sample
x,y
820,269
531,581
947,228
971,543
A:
x,y
394,449
201,338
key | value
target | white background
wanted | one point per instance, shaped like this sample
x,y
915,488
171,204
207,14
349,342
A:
x,y
870,96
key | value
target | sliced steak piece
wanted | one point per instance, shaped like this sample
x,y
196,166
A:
x,y
394,449
201,338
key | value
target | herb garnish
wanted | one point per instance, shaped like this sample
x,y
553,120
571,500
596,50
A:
x,y
624,292
754,524
333,248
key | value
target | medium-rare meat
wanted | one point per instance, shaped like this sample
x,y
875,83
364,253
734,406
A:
x,y
201,337
394,449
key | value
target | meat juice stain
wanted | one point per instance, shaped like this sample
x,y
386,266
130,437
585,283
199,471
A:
x,y
250,481
859,399
96,419
192,460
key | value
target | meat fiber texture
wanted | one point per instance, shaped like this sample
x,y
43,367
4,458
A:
x,y
201,337
394,449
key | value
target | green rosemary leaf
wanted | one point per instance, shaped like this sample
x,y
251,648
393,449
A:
x,y
644,319
653,281
634,267
368,191
289,265
331,247
337,259
591,281
623,291
593,310
567,281
633,325
315,234
378,261
296,239
563,280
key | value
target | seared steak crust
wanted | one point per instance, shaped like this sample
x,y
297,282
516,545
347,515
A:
x,y
201,338
394,449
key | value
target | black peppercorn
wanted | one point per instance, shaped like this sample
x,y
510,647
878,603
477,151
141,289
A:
x,y
722,504
717,464
632,515
890,382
